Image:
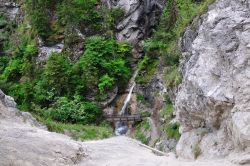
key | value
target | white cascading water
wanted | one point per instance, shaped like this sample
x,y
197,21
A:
x,y
122,128
126,102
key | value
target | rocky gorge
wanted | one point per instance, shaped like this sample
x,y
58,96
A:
x,y
210,105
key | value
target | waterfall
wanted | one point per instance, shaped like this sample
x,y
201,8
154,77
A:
x,y
122,128
126,102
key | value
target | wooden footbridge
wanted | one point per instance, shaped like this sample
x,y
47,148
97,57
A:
x,y
124,118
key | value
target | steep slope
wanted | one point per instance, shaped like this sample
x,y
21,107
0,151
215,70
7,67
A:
x,y
212,104
23,141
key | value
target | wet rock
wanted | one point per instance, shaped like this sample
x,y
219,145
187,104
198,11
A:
x,y
121,128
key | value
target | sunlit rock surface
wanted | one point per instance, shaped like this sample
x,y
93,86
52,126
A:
x,y
212,105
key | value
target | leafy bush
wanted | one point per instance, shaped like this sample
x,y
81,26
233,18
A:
x,y
82,13
105,82
147,68
39,16
57,73
172,131
172,76
103,64
141,130
75,111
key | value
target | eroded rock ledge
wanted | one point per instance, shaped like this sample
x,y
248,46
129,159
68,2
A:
x,y
23,141
213,105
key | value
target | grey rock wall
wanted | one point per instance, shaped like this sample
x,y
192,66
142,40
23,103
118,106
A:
x,y
212,104
140,17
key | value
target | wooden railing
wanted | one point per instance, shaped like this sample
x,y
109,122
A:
x,y
124,118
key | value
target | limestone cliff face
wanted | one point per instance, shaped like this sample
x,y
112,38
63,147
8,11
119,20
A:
x,y
212,104
140,18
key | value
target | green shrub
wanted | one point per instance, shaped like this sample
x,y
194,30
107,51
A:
x,y
75,111
39,16
141,137
147,68
172,76
105,82
13,71
103,64
167,112
172,131
57,72
77,131
4,60
141,130
140,98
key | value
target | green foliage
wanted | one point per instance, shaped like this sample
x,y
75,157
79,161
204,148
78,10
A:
x,y
50,18
4,60
78,131
56,73
30,50
80,13
172,131
175,18
140,98
75,111
141,137
147,67
105,82
172,76
167,112
39,16
103,64
46,88
141,130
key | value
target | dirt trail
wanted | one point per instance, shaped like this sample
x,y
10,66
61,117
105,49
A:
x,y
124,151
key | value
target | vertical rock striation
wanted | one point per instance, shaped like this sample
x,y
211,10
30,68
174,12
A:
x,y
212,104
140,18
